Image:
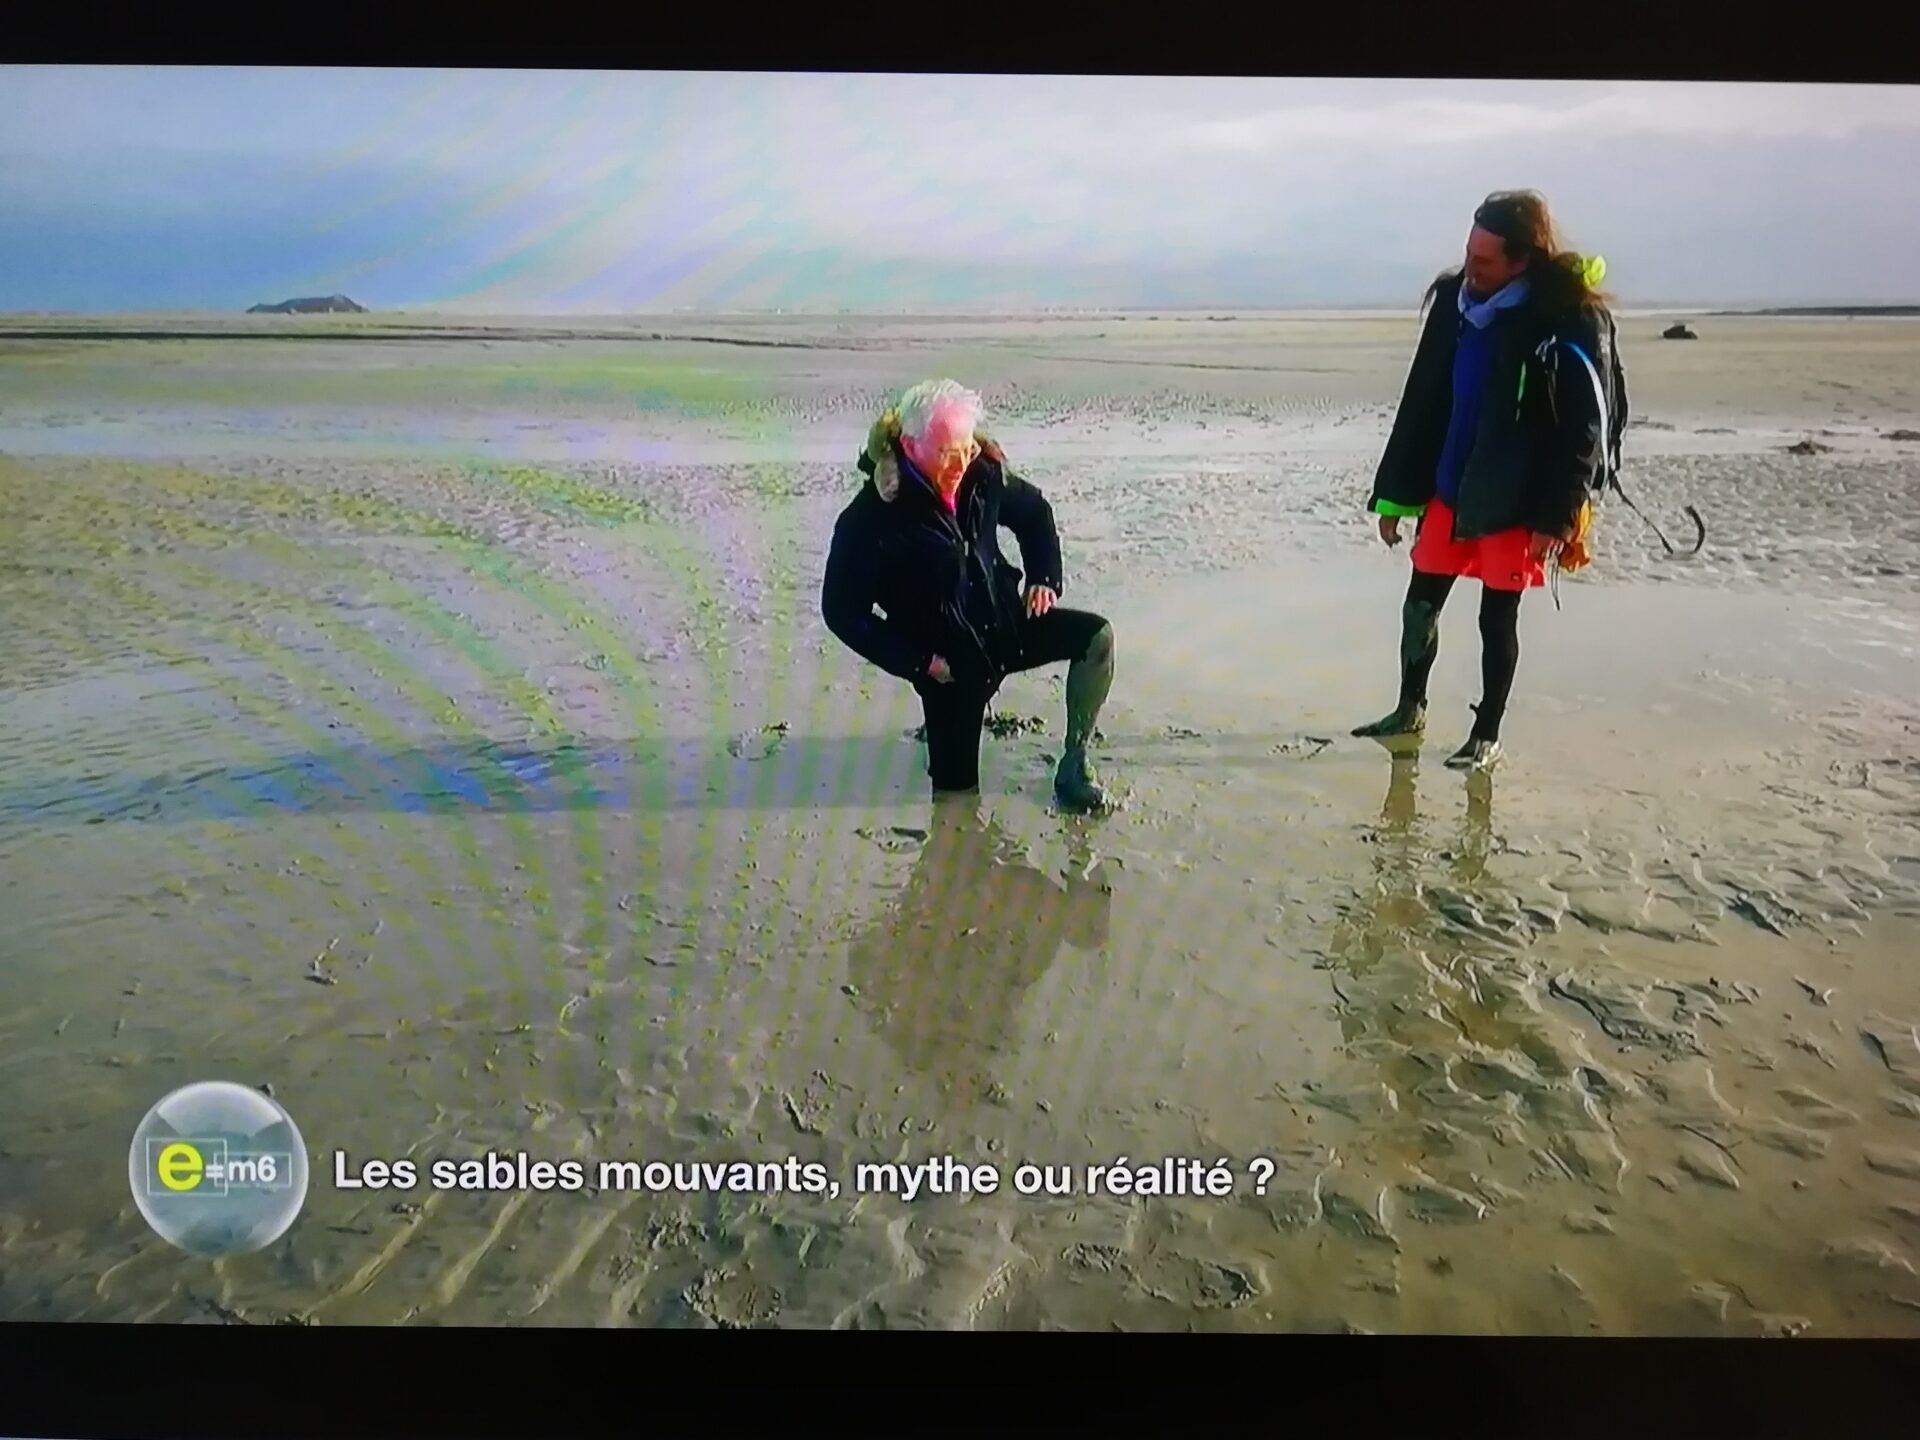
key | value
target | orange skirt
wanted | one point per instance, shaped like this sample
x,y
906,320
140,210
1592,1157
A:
x,y
1500,561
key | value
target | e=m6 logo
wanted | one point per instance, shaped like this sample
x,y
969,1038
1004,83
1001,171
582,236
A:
x,y
218,1168
190,1165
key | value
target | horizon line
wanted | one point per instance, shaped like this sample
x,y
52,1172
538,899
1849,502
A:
x,y
456,310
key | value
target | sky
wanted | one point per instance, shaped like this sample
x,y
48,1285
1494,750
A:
x,y
156,189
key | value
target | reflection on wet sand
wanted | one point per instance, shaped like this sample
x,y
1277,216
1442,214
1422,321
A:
x,y
1544,1132
944,967
1428,965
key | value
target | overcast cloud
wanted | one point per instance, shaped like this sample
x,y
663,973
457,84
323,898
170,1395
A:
x,y
171,189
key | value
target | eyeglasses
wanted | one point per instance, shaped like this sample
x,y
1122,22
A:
x,y
962,451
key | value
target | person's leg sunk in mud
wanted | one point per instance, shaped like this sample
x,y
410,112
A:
x,y
954,714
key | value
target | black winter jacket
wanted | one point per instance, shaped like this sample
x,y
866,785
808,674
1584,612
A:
x,y
940,579
1543,445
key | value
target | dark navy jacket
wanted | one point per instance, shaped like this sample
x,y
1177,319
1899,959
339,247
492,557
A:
x,y
940,580
1542,446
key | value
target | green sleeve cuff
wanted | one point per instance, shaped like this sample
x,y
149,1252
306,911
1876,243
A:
x,y
1403,512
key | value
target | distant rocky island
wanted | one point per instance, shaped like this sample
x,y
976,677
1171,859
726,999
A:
x,y
311,305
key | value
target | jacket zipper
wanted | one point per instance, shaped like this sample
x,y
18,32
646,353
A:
x,y
952,525
968,561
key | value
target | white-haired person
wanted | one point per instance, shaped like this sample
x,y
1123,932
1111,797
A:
x,y
920,544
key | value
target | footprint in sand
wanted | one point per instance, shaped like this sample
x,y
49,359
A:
x,y
732,1300
758,745
1307,746
1194,1284
895,839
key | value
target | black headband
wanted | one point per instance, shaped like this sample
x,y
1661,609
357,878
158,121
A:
x,y
1501,218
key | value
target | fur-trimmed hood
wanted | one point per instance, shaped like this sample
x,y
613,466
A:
x,y
880,461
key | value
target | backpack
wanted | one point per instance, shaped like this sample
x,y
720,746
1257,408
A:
x,y
1577,554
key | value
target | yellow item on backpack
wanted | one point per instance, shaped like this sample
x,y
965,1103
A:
x,y
1577,553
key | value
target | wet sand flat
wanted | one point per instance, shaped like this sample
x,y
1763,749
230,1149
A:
x,y
442,731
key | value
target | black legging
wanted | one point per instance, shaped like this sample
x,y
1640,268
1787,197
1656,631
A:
x,y
1499,646
956,712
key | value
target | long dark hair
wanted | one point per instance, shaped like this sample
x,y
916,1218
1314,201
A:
x,y
1526,229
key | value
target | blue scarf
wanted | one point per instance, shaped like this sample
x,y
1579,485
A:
x,y
1472,363
1481,312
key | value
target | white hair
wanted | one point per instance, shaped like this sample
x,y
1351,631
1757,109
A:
x,y
919,404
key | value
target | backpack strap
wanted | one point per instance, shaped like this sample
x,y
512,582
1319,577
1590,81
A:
x,y
1617,389
1610,439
